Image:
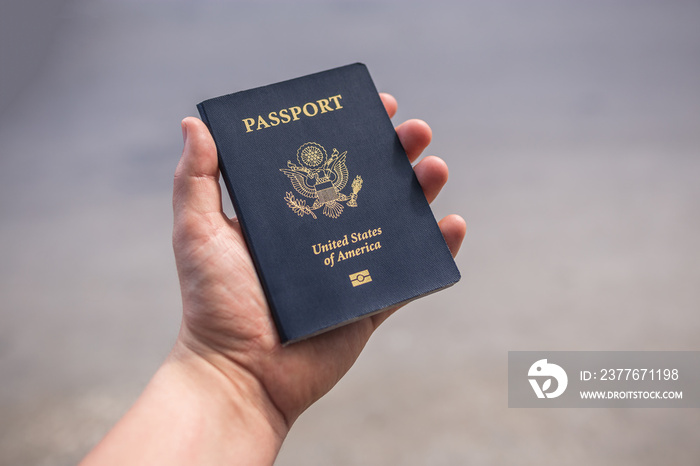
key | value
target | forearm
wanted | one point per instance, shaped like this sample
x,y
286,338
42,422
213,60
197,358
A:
x,y
191,413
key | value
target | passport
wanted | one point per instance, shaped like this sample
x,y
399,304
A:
x,y
331,210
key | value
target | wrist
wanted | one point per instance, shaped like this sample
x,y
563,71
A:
x,y
231,404
193,413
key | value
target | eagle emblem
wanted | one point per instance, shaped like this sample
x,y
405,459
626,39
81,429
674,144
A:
x,y
320,178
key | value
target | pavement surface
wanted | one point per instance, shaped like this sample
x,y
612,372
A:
x,y
572,132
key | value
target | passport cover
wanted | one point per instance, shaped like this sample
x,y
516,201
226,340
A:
x,y
331,210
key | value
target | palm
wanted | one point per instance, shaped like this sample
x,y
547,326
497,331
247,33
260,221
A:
x,y
230,317
226,318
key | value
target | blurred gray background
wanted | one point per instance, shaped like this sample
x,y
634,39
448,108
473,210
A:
x,y
572,131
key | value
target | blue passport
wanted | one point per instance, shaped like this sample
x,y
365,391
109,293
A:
x,y
331,210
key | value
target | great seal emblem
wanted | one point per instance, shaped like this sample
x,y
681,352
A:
x,y
321,178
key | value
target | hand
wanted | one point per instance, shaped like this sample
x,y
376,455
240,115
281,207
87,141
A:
x,y
228,359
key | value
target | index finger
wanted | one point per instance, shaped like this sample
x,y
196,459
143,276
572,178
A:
x,y
389,103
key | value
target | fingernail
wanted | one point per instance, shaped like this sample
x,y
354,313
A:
x,y
184,132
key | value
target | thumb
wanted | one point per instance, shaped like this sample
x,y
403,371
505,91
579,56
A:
x,y
196,189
